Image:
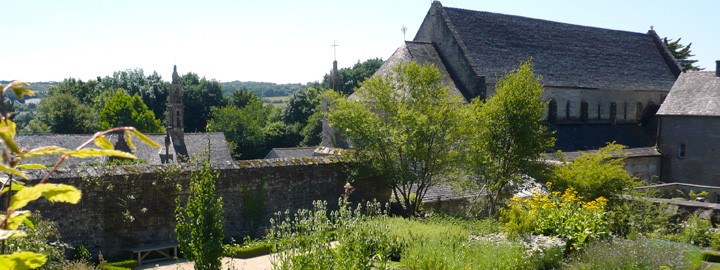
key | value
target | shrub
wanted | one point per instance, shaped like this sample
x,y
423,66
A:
x,y
307,239
595,174
637,216
554,214
641,253
249,251
199,222
82,254
695,231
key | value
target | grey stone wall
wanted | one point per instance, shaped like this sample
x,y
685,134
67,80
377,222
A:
x,y
646,169
701,141
132,206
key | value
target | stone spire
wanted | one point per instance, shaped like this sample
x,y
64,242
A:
x,y
336,81
176,117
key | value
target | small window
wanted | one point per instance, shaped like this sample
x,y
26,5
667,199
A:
x,y
584,111
613,111
681,151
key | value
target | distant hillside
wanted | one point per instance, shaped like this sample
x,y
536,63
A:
x,y
262,89
40,88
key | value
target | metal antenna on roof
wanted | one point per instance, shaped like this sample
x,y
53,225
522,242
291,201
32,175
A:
x,y
334,50
403,29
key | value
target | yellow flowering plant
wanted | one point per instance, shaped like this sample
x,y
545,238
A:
x,y
564,215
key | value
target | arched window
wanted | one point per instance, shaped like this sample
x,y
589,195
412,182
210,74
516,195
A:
x,y
567,110
584,111
625,110
638,111
552,111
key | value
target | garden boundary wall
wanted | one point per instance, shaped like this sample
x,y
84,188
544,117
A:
x,y
130,206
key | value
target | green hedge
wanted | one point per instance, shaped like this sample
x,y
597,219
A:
x,y
711,256
242,252
121,265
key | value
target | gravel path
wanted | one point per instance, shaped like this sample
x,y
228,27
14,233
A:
x,y
260,263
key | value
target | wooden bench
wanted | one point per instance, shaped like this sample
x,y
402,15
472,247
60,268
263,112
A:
x,y
168,251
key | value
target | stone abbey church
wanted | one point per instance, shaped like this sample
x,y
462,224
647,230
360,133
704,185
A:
x,y
602,85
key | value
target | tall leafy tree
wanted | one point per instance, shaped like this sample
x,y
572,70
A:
x,y
151,88
243,128
506,135
199,96
123,109
85,92
302,115
681,53
406,127
65,114
242,98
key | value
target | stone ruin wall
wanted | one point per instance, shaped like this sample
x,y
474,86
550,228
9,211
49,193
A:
x,y
131,206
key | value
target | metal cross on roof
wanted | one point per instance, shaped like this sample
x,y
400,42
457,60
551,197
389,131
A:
x,y
334,50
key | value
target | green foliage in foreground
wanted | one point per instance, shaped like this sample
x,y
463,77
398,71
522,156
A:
x,y
637,254
199,222
596,174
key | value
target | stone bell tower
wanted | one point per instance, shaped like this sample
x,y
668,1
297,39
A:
x,y
176,119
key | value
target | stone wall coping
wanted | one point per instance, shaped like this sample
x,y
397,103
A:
x,y
75,172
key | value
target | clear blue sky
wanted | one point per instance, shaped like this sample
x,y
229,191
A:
x,y
280,41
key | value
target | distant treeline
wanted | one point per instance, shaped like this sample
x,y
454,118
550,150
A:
x,y
261,89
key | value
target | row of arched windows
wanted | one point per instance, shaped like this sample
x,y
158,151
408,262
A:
x,y
585,109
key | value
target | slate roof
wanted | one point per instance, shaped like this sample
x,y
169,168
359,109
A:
x,y
197,143
566,55
291,152
422,53
695,93
629,152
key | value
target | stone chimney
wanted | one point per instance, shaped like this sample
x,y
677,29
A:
x,y
717,68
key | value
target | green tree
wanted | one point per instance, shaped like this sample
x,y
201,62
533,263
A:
x,y
243,127
241,98
85,92
303,114
123,109
65,114
507,136
151,88
199,96
681,53
199,223
406,127
595,174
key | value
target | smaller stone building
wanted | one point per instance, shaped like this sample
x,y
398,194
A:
x,y
689,129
